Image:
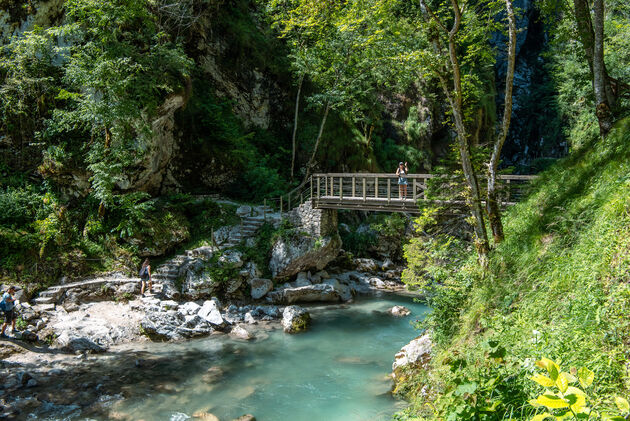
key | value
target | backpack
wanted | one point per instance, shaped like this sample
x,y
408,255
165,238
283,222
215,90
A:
x,y
144,272
2,307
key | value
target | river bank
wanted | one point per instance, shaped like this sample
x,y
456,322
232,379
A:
x,y
340,367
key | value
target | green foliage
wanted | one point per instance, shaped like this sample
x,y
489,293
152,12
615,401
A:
x,y
556,286
358,242
562,401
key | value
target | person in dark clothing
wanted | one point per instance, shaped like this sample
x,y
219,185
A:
x,y
145,277
8,308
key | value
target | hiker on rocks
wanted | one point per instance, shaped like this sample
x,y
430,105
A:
x,y
8,305
145,275
402,173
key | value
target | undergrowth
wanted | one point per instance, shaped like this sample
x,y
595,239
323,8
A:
x,y
557,287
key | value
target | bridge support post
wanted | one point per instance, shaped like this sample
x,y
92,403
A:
x,y
340,188
376,188
318,186
364,196
414,190
389,190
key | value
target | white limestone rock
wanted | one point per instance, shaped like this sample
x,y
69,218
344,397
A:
x,y
418,351
295,319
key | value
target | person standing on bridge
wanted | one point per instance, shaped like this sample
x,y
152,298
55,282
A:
x,y
402,172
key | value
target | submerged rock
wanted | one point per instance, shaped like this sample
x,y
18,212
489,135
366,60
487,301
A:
x,y
246,417
240,332
399,311
295,319
206,416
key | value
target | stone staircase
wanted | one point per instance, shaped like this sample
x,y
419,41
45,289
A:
x,y
166,274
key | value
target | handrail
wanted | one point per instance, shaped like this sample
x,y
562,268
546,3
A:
x,y
374,187
419,175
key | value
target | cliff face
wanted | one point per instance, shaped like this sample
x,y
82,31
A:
x,y
241,92
535,129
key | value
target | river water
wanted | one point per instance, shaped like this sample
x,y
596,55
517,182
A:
x,y
338,370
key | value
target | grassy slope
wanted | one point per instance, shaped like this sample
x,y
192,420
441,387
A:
x,y
557,287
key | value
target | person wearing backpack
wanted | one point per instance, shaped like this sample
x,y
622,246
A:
x,y
7,305
145,277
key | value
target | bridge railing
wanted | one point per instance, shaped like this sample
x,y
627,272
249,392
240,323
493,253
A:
x,y
380,191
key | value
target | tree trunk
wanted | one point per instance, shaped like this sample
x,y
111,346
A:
x,y
492,204
295,123
311,161
601,85
591,34
474,200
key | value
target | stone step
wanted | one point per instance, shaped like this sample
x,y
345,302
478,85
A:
x,y
49,293
253,221
44,300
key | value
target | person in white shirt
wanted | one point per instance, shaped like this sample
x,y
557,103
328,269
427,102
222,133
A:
x,y
402,173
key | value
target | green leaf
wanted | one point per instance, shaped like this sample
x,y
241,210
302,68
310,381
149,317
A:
x,y
585,376
622,404
562,383
469,388
553,371
551,401
544,381
614,418
576,401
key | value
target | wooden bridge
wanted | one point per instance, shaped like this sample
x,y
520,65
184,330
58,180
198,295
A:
x,y
381,192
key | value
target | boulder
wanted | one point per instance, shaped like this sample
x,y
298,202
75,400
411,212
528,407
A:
x,y
365,265
399,311
240,332
377,282
300,252
198,284
250,271
260,287
417,352
311,293
388,264
71,342
169,289
249,318
231,259
189,308
162,326
295,319
209,311
343,290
